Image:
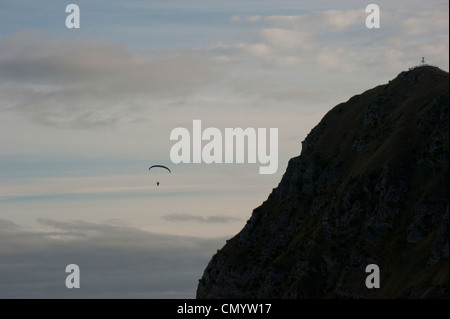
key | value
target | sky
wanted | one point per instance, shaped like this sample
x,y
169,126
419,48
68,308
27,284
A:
x,y
84,113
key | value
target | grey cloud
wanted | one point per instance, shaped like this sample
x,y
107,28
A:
x,y
90,83
6,225
87,83
83,62
115,261
327,19
200,219
301,59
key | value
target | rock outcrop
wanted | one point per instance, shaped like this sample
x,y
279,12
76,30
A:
x,y
371,186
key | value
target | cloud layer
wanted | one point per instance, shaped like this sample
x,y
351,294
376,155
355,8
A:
x,y
200,219
89,83
115,260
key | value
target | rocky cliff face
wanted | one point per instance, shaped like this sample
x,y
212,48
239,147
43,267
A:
x,y
371,186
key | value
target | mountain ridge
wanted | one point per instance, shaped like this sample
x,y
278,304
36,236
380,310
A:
x,y
370,186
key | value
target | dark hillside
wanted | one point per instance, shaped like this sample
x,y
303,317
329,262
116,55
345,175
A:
x,y
371,186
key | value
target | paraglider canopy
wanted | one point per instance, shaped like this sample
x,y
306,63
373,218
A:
x,y
160,166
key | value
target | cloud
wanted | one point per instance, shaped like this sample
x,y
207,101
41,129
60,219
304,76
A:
x,y
115,260
200,219
90,83
327,19
341,19
256,18
286,39
303,57
426,21
76,60
235,18
318,33
6,225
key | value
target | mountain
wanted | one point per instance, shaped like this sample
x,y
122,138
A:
x,y
371,186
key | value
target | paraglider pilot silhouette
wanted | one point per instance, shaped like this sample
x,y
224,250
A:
x,y
160,167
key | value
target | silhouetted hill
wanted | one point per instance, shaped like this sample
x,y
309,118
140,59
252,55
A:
x,y
371,186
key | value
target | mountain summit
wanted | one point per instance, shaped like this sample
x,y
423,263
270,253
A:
x,y
371,186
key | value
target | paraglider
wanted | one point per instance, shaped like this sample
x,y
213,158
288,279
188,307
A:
x,y
160,166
